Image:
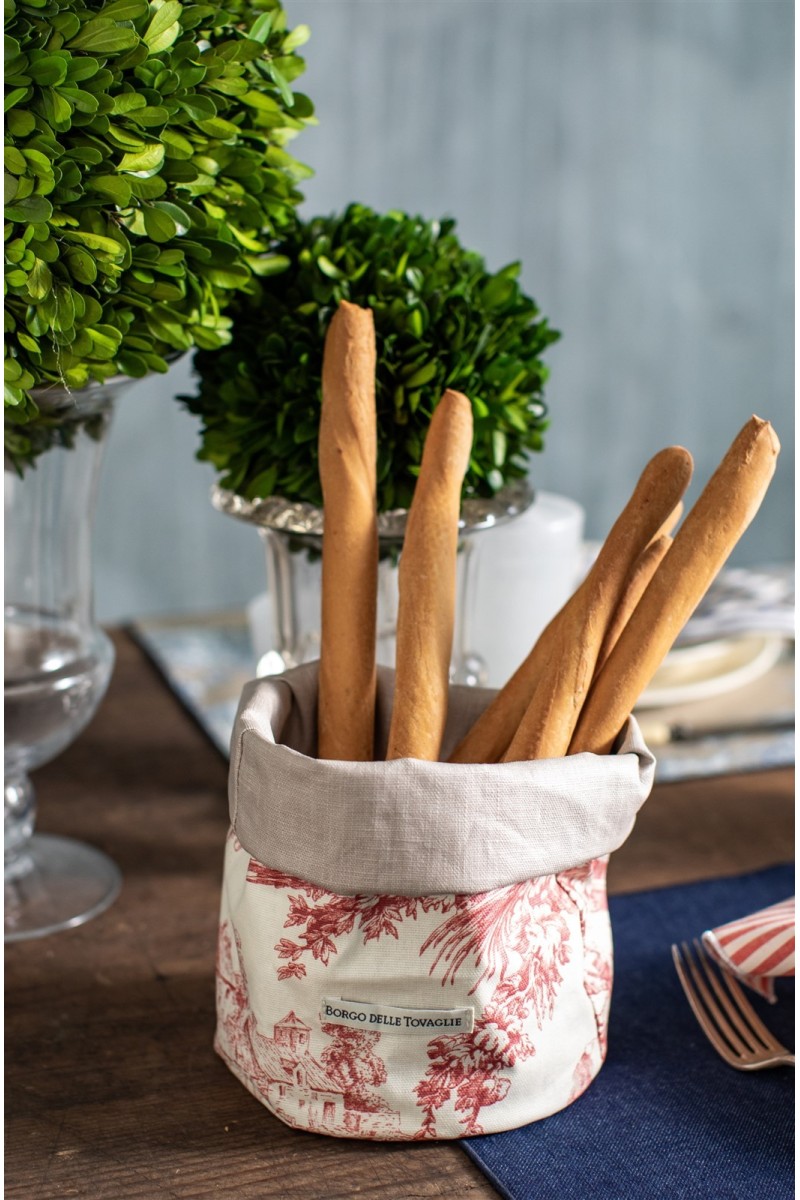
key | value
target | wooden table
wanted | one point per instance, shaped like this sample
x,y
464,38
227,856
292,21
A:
x,y
113,1090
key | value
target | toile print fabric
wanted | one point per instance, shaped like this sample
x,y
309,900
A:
x,y
418,1012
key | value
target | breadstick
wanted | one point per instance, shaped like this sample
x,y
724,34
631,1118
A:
x,y
709,533
643,570
347,467
669,525
549,721
427,581
652,504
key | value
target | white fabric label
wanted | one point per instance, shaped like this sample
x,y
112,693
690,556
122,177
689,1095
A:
x,y
427,1021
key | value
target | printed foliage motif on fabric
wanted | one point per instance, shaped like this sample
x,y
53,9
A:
x,y
521,937
322,917
335,1092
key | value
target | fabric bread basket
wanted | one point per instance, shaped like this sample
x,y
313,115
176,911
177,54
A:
x,y
414,950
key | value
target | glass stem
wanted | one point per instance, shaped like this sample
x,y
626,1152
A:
x,y
19,819
282,588
467,667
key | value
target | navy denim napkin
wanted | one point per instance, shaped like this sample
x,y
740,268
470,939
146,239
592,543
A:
x,y
666,1118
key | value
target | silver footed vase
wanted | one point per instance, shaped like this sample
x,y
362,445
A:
x,y
291,533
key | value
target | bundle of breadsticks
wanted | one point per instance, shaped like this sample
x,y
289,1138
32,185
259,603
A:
x,y
580,682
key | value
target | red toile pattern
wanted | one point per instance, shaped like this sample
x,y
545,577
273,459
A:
x,y
512,943
584,1073
520,937
325,916
586,886
337,1091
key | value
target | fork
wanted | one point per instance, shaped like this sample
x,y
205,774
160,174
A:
x,y
726,1017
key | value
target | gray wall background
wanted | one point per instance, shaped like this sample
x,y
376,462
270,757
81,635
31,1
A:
x,y
635,155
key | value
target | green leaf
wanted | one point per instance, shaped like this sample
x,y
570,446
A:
x,y
263,484
56,110
105,341
40,280
151,114
298,37
164,40
275,264
180,219
83,68
14,96
113,186
48,70
147,189
232,277
282,86
263,102
67,24
199,108
20,123
261,27
132,364
81,100
39,163
126,102
302,108
217,127
177,146
497,291
415,323
146,161
159,225
14,161
32,210
424,375
125,10
328,268
164,16
95,241
81,265
103,36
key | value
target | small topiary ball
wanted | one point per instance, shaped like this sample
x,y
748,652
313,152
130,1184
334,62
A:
x,y
441,320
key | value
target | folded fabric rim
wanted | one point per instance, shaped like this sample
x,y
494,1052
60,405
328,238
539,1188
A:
x,y
417,828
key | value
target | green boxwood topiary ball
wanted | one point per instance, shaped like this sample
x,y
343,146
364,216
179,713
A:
x,y
146,176
441,320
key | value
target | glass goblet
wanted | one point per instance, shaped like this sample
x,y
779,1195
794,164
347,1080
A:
x,y
57,661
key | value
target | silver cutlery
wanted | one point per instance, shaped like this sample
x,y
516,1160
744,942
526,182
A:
x,y
725,1014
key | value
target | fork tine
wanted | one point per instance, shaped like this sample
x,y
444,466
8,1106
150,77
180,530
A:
x,y
683,965
748,1052
749,1014
737,1043
736,1007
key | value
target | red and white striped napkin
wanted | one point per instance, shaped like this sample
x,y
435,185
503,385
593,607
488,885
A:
x,y
759,948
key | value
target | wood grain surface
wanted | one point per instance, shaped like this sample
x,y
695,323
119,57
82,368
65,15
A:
x,y
112,1089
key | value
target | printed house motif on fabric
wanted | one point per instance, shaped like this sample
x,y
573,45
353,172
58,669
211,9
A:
x,y
335,1093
